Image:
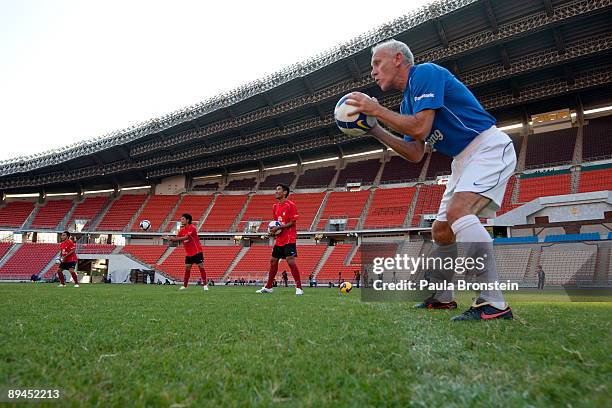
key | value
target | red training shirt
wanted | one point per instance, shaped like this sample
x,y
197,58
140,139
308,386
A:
x,y
284,213
66,247
192,244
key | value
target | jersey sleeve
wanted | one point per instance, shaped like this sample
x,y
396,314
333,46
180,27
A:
x,y
294,214
427,88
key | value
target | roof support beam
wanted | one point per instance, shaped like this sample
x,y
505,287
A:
x,y
441,32
486,4
268,99
549,7
353,68
568,72
559,41
307,85
504,57
320,111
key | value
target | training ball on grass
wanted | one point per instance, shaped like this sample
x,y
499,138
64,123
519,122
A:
x,y
357,124
273,224
345,287
145,225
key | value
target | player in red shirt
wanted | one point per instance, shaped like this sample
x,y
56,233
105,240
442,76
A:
x,y
188,235
285,212
67,259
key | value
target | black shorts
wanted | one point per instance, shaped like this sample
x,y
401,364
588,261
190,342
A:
x,y
195,259
64,266
282,252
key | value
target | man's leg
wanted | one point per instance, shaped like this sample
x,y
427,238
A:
x,y
187,275
60,275
295,272
75,278
461,215
272,273
203,273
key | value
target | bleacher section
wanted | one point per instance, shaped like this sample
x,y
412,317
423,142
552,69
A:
x,y
307,205
121,211
273,180
555,147
50,215
428,202
247,184
156,210
597,139
223,213
399,170
29,259
533,187
532,239
191,204
149,254
337,267
438,165
593,236
88,209
217,260
255,264
389,207
95,249
512,263
317,177
259,208
565,266
595,179
344,204
363,172
206,187
15,213
4,248
507,201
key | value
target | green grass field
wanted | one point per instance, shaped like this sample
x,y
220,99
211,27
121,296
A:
x,y
114,345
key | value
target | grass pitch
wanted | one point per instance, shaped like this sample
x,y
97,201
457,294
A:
x,y
115,345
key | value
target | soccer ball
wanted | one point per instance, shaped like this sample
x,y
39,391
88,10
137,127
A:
x,y
357,124
273,224
145,225
345,287
58,261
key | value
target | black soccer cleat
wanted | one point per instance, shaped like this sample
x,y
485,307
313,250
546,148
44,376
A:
x,y
482,310
431,303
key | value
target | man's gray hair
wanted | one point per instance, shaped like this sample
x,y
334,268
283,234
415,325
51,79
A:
x,y
395,46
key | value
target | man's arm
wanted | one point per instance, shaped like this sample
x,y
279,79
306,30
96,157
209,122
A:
x,y
411,151
175,239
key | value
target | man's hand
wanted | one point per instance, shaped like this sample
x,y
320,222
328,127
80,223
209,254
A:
x,y
364,104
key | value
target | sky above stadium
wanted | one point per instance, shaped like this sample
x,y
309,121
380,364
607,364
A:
x,y
72,70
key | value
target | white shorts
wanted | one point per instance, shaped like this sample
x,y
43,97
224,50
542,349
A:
x,y
483,167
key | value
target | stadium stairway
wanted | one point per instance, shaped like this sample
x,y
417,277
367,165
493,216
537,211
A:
x,y
28,221
8,252
62,224
323,261
240,214
136,216
317,218
93,224
366,208
207,211
171,213
233,264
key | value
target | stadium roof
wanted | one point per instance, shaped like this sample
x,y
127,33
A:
x,y
519,58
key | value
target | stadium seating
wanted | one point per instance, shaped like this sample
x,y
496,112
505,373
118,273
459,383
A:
x,y
307,205
535,187
389,207
121,212
507,201
344,204
217,260
597,179
556,147
512,263
532,239
597,139
156,210
255,264
273,180
363,172
568,266
29,259
610,235
439,165
317,177
399,170
206,187
593,236
259,208
428,202
246,184
223,213
191,204
15,213
4,248
337,267
102,249
50,215
88,209
149,254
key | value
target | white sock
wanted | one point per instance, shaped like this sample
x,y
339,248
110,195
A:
x,y
469,229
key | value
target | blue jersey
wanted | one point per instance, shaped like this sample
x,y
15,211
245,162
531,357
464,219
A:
x,y
459,116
